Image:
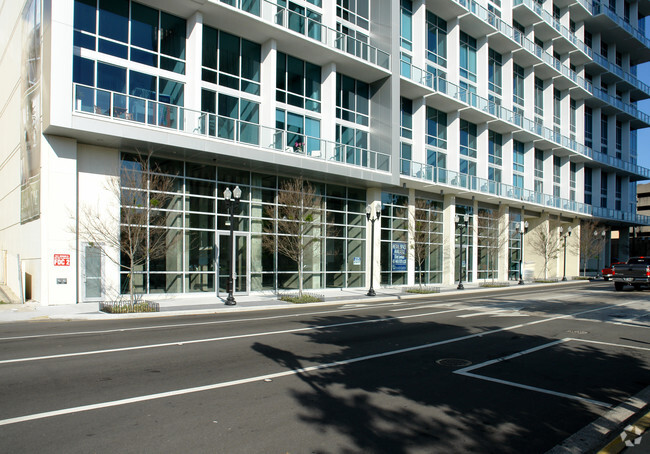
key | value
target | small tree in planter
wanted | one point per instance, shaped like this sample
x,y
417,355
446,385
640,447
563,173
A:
x,y
546,244
137,229
590,243
296,225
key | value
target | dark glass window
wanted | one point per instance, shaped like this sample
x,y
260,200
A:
x,y
144,27
83,71
114,19
172,35
84,15
111,77
142,85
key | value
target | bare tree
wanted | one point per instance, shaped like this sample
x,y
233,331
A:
x,y
492,236
420,229
296,226
590,243
546,244
136,230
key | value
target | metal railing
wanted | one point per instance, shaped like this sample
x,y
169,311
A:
x,y
472,183
598,8
205,124
437,175
311,28
623,106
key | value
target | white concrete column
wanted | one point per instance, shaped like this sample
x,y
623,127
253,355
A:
x,y
268,80
411,240
503,242
58,213
194,48
449,239
328,97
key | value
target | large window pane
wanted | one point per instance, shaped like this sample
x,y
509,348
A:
x,y
111,77
84,15
172,34
144,27
114,19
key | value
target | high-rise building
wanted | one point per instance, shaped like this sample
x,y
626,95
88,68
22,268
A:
x,y
475,128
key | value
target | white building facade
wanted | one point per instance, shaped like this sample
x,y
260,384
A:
x,y
459,120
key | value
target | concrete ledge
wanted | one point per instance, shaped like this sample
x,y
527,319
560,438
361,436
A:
x,y
595,436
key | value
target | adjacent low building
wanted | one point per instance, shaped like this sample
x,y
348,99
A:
x,y
476,129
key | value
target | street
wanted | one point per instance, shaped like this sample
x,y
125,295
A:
x,y
507,371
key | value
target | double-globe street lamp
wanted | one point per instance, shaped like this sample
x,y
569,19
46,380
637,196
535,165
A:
x,y
521,228
462,223
231,199
369,215
564,236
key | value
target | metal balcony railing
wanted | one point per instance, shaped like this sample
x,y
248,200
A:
x,y
311,28
598,8
437,175
134,109
471,183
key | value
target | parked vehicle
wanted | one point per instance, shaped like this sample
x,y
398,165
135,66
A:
x,y
607,273
634,272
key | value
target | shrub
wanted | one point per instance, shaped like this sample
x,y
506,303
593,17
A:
x,y
422,290
305,298
494,284
124,307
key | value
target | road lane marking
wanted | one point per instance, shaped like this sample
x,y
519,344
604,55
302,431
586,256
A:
x,y
467,371
179,392
183,325
478,314
217,339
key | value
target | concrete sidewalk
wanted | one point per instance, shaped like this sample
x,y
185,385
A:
x,y
209,304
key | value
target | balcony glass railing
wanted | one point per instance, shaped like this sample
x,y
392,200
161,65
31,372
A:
x,y
620,72
437,175
312,28
599,8
623,106
553,22
458,180
147,112
498,24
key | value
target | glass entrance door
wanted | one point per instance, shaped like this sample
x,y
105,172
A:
x,y
92,273
240,262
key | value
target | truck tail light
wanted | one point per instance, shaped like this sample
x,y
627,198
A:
x,y
647,271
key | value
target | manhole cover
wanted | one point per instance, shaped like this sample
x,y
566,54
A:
x,y
576,331
453,362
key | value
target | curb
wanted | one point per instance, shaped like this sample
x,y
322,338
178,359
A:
x,y
599,433
276,304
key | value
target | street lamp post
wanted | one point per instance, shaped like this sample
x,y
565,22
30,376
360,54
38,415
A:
x,y
565,235
232,201
521,228
372,219
463,224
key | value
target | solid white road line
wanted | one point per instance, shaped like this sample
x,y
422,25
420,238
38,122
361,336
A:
x,y
217,339
478,314
179,392
466,371
186,325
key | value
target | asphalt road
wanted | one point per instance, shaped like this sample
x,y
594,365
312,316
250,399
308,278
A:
x,y
504,372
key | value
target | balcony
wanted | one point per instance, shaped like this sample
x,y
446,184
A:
x,y
617,215
312,29
624,75
640,173
643,119
554,24
464,182
152,114
598,8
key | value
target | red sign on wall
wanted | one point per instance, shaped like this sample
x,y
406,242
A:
x,y
61,259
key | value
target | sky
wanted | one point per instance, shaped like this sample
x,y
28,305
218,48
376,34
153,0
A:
x,y
643,136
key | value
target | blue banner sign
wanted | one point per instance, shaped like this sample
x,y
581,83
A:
x,y
399,257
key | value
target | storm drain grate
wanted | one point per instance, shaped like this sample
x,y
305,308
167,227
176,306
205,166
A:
x,y
453,362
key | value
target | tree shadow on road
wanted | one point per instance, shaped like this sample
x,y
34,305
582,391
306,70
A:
x,y
412,402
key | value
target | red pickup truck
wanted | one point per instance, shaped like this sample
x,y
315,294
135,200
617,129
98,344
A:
x,y
608,273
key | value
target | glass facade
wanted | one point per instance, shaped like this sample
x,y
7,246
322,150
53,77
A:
x,y
195,222
394,239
